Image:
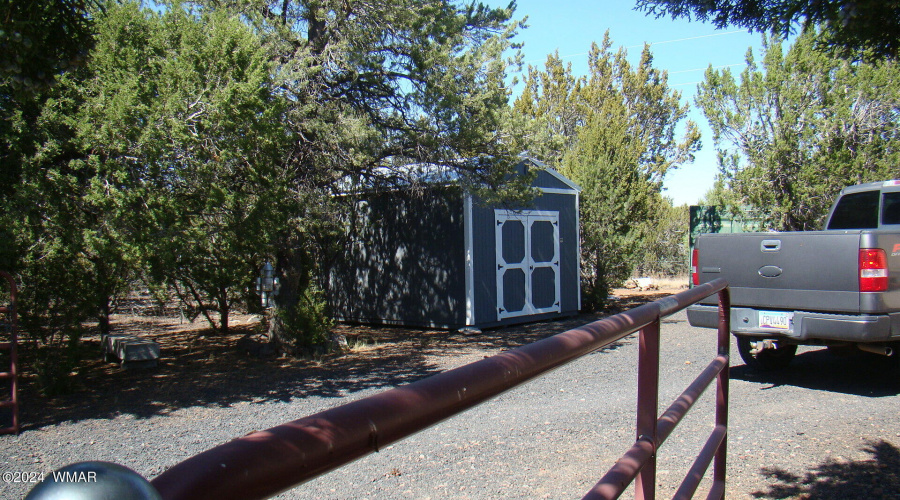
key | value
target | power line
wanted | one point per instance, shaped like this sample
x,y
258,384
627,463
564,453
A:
x,y
683,84
704,69
653,43
688,38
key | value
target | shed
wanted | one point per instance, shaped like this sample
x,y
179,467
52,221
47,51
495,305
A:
x,y
447,260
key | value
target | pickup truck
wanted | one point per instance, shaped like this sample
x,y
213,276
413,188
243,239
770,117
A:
x,y
839,287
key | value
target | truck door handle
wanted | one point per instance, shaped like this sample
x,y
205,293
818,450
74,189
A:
x,y
770,245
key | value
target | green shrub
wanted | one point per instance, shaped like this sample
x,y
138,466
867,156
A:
x,y
306,328
54,363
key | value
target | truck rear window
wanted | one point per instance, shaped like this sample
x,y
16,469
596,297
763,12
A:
x,y
856,211
890,209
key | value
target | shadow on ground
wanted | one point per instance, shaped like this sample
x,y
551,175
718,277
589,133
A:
x,y
203,368
206,369
876,478
859,373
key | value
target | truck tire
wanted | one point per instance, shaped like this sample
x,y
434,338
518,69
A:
x,y
768,359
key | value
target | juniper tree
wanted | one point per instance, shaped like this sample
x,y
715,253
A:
x,y
858,29
797,126
615,133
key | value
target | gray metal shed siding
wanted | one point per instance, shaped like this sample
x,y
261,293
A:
x,y
548,181
404,264
431,261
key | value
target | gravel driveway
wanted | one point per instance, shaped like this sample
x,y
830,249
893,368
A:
x,y
825,428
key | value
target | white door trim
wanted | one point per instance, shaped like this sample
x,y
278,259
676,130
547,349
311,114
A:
x,y
470,260
528,265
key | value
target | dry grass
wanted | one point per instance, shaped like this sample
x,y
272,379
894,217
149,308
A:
x,y
659,286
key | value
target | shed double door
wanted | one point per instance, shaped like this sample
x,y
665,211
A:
x,y
527,262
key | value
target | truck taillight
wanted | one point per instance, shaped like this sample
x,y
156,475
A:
x,y
873,270
695,276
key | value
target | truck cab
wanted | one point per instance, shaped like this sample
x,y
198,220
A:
x,y
866,206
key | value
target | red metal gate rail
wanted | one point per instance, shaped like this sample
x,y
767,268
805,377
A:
x,y
265,463
10,345
640,461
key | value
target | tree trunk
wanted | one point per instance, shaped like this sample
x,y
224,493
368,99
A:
x,y
224,310
105,312
292,270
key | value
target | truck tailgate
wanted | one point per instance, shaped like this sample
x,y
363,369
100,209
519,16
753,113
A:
x,y
810,270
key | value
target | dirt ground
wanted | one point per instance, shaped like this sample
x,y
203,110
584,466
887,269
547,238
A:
x,y
192,351
205,376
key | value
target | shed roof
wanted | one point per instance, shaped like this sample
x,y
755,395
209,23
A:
x,y
413,174
565,182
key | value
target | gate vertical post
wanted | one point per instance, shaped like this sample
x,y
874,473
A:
x,y
647,407
724,340
12,374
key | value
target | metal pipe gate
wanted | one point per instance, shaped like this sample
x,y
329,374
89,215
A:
x,y
10,345
639,462
265,463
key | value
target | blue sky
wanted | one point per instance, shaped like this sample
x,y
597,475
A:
x,y
685,49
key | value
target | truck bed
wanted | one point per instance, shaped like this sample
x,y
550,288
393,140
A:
x,y
805,271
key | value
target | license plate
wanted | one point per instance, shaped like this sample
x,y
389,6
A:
x,y
778,320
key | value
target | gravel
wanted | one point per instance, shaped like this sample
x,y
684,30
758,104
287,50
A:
x,y
825,428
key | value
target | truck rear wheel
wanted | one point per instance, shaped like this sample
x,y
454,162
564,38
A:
x,y
767,359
